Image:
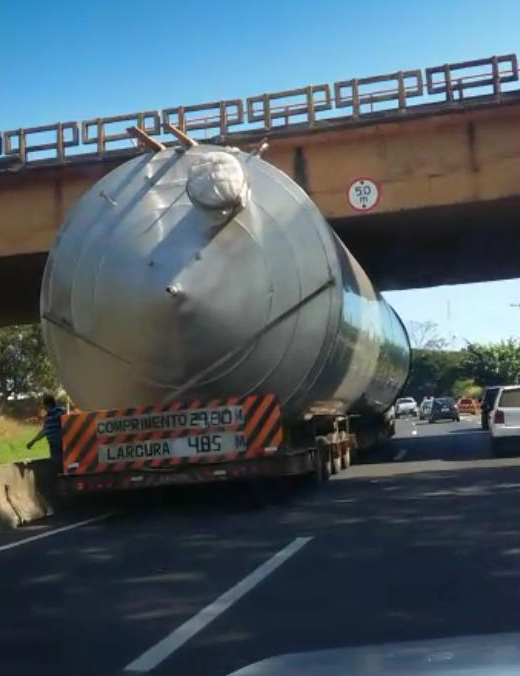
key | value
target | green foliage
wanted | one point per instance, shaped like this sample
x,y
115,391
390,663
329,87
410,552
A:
x,y
13,442
463,374
493,364
433,373
24,365
466,387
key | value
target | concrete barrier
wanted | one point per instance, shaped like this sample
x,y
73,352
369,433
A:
x,y
27,492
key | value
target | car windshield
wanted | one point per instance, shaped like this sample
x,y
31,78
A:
x,y
444,401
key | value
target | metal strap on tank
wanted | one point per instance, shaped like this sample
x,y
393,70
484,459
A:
x,y
68,329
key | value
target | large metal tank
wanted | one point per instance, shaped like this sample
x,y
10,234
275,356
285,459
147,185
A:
x,y
208,273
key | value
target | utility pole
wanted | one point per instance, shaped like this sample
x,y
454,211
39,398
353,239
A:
x,y
517,305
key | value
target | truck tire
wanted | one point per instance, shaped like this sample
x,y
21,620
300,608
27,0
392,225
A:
x,y
327,463
337,459
322,465
345,458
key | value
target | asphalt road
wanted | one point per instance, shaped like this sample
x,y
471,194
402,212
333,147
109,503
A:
x,y
421,540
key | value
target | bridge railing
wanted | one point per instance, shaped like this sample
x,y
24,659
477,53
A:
x,y
98,131
449,83
401,92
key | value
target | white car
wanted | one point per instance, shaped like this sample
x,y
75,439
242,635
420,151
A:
x,y
405,406
425,408
504,420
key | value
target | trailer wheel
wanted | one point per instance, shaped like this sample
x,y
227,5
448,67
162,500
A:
x,y
337,459
346,458
317,473
322,464
326,454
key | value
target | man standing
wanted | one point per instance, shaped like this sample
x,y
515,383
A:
x,y
51,427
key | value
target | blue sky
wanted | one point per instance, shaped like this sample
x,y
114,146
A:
x,y
66,60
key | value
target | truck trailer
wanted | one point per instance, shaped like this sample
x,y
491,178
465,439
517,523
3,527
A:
x,y
210,325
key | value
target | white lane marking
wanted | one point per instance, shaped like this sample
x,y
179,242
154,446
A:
x,y
169,644
55,531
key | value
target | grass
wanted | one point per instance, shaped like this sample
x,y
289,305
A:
x,y
14,436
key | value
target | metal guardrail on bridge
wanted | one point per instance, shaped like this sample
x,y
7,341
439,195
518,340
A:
x,y
306,106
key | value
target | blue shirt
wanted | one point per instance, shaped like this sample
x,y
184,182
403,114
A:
x,y
52,428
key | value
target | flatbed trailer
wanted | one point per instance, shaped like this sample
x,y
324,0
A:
x,y
198,442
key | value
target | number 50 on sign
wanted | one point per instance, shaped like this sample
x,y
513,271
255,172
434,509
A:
x,y
363,194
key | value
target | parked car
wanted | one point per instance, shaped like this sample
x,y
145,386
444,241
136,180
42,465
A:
x,y
487,404
468,405
444,408
504,420
405,406
425,409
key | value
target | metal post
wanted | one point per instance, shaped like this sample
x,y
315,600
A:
x,y
181,119
447,81
60,151
223,118
355,99
267,111
100,136
311,113
22,146
496,77
401,92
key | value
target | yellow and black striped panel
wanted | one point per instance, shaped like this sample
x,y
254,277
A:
x,y
262,427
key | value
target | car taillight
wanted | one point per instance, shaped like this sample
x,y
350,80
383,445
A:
x,y
499,416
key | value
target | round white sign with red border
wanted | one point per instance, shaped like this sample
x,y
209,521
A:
x,y
363,194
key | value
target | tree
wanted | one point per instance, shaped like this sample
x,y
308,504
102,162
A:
x,y
466,387
24,365
426,336
433,373
493,364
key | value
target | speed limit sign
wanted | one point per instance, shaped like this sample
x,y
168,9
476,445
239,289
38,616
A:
x,y
363,194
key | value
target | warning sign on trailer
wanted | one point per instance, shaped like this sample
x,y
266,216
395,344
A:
x,y
363,194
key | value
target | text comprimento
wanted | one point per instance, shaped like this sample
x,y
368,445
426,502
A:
x,y
197,418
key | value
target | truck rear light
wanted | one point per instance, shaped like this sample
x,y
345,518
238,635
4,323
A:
x,y
499,417
80,485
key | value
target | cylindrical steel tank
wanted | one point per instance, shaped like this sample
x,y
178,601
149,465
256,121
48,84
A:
x,y
210,273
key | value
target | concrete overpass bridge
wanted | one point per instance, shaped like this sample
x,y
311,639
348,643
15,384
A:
x,y
417,171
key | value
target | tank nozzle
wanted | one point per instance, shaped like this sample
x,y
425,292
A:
x,y
174,290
